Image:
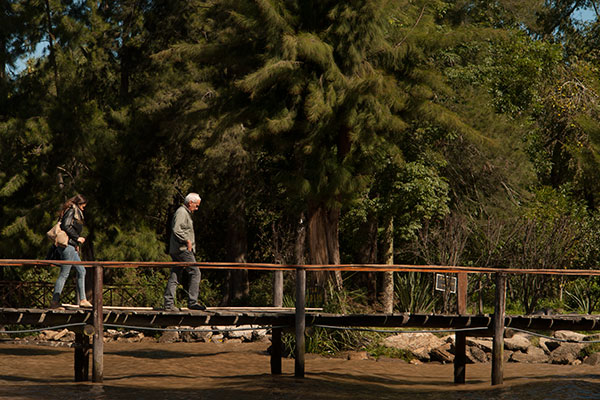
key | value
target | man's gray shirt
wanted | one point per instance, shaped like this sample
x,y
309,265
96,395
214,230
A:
x,y
182,229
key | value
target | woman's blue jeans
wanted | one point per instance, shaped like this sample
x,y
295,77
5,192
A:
x,y
69,254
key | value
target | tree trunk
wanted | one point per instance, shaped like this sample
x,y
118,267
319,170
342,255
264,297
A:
x,y
237,284
368,254
388,256
323,242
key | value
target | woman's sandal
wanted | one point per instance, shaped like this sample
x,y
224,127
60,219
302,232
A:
x,y
85,303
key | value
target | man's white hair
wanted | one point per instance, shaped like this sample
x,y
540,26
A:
x,y
192,198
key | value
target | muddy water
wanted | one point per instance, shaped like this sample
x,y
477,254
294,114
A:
x,y
206,371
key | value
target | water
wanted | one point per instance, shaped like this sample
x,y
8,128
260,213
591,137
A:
x,y
207,371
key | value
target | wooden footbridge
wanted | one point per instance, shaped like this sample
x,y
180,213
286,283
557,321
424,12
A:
x,y
90,323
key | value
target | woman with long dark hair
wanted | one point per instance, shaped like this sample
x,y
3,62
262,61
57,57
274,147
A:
x,y
71,217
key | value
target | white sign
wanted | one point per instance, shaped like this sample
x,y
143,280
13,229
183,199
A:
x,y
441,280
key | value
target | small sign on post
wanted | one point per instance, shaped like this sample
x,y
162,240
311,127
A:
x,y
445,282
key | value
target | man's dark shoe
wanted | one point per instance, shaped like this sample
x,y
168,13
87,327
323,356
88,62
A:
x,y
197,307
171,308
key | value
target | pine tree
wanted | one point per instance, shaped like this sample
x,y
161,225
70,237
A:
x,y
311,88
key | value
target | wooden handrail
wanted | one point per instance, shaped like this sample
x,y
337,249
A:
x,y
309,267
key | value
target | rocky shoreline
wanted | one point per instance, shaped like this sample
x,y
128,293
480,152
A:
x,y
66,337
563,347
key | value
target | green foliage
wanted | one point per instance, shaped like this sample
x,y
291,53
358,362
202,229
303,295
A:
x,y
138,243
332,341
472,125
141,287
261,292
517,70
583,295
414,292
589,350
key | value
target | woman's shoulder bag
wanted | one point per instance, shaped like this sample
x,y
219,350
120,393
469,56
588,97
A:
x,y
58,236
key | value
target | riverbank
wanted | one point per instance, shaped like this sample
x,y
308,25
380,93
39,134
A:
x,y
149,370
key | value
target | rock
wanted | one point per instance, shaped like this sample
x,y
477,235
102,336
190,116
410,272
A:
x,y
186,337
217,337
536,351
169,337
68,337
441,354
60,334
566,353
483,344
202,335
518,342
195,334
569,335
129,336
245,335
532,355
476,355
219,330
112,334
148,339
449,339
48,335
259,334
549,345
419,344
357,355
593,359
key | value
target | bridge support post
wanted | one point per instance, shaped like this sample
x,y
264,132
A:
x,y
300,321
82,356
98,343
460,353
498,343
276,351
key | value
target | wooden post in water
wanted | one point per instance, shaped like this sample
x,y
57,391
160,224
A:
x,y
276,351
82,356
498,343
98,344
460,356
300,321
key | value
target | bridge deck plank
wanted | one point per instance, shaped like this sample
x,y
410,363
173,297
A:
x,y
146,317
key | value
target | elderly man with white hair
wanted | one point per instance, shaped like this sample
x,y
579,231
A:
x,y
182,247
